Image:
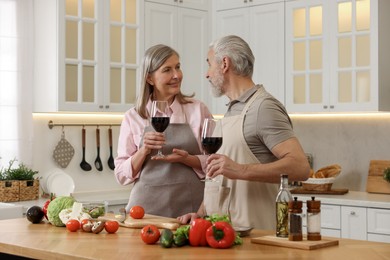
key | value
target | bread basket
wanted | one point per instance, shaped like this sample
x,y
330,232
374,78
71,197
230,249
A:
x,y
318,184
323,179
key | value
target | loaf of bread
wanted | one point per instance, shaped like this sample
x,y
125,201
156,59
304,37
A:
x,y
330,171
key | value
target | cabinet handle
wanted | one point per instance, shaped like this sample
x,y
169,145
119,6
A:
x,y
325,107
331,107
107,106
353,213
245,1
101,106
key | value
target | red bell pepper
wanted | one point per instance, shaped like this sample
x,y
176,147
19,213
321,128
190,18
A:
x,y
197,233
46,205
220,235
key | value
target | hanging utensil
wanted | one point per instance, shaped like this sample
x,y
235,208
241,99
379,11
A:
x,y
98,162
110,162
84,165
64,151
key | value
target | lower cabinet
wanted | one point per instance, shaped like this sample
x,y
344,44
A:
x,y
378,225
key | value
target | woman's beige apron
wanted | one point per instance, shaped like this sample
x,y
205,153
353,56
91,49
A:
x,y
169,189
249,203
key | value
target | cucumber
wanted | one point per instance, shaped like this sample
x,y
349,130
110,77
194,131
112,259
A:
x,y
180,240
166,238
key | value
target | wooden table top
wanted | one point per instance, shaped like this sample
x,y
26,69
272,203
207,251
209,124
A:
x,y
44,241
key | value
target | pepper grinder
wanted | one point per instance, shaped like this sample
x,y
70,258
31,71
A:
x,y
295,220
313,219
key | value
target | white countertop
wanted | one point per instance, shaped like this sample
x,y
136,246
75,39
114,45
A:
x,y
113,197
121,197
352,198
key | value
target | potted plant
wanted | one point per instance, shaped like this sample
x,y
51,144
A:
x,y
18,183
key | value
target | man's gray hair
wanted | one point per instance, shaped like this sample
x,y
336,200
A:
x,y
238,51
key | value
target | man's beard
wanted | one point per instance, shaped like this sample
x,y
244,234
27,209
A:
x,y
216,86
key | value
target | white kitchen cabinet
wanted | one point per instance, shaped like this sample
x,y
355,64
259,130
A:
x,y
332,61
187,31
230,4
262,26
378,224
194,4
354,222
86,55
330,220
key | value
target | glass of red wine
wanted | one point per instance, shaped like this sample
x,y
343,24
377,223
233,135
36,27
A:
x,y
160,118
211,137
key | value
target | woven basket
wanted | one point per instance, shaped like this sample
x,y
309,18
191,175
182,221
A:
x,y
318,184
9,191
29,190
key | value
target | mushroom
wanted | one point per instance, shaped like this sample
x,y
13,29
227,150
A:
x,y
97,227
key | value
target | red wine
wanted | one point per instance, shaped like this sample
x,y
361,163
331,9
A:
x,y
211,144
160,123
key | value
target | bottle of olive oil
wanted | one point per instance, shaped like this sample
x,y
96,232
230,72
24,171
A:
x,y
282,199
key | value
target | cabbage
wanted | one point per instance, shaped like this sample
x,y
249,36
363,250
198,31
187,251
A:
x,y
56,206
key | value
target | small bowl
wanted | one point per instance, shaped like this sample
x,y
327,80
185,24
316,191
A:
x,y
95,209
243,231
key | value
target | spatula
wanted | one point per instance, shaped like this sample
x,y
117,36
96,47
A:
x,y
110,162
84,165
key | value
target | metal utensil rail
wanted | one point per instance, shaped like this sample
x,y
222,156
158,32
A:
x,y
51,124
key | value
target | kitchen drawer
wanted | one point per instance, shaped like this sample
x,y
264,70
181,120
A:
x,y
330,216
378,221
354,222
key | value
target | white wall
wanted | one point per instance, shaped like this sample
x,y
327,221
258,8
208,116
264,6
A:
x,y
349,140
45,141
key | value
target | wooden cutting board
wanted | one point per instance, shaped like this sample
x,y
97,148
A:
x,y
375,181
160,222
327,192
304,244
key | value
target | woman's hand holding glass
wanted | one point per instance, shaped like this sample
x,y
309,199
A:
x,y
160,118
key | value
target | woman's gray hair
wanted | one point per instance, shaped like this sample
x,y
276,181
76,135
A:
x,y
154,58
238,51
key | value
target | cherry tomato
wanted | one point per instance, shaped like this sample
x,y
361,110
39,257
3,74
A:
x,y
150,234
137,212
73,225
83,222
111,226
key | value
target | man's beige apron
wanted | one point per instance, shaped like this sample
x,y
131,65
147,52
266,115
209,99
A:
x,y
169,189
249,203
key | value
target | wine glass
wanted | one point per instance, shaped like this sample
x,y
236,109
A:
x,y
211,137
160,118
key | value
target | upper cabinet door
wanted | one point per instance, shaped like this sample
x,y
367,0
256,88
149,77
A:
x,y
230,4
332,56
262,26
195,4
187,31
94,51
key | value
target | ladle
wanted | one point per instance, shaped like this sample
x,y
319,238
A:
x,y
98,162
84,165
110,162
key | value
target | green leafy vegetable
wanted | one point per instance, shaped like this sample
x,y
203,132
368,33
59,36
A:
x,y
56,206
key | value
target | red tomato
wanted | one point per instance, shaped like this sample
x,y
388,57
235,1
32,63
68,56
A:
x,y
73,225
111,226
84,221
150,234
137,212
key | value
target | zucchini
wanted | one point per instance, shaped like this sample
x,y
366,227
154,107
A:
x,y
166,238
